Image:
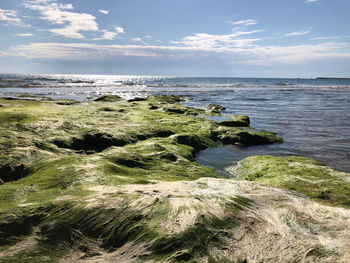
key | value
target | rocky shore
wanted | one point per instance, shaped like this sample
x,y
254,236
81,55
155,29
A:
x,y
111,180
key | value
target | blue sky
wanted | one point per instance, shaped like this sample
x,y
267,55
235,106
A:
x,y
233,38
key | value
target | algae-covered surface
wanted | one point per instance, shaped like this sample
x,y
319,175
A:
x,y
116,181
299,174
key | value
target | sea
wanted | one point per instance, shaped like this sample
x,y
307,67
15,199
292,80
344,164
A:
x,y
311,115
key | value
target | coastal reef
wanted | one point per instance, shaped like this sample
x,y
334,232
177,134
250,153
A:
x,y
303,175
110,180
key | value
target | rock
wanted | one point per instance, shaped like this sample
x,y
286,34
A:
x,y
192,140
299,174
170,99
153,107
175,110
129,160
246,137
238,121
215,109
107,109
109,98
91,142
137,99
168,156
127,188
67,102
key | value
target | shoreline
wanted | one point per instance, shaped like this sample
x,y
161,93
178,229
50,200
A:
x,y
115,180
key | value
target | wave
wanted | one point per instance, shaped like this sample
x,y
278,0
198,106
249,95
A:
x,y
283,84
161,84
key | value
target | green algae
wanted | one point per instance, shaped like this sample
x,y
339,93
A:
x,y
47,150
109,98
63,148
214,109
67,102
299,174
67,225
155,159
237,121
8,117
245,136
195,241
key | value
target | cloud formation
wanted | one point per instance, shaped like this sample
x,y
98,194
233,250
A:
x,y
110,35
298,33
310,1
25,35
105,12
252,55
72,24
247,22
210,41
57,14
327,38
244,45
10,17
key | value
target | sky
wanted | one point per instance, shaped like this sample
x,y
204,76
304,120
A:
x,y
208,38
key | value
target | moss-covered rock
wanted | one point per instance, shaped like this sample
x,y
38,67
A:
x,y
109,98
18,118
215,109
52,132
237,121
194,140
245,137
109,174
299,174
137,99
93,142
67,102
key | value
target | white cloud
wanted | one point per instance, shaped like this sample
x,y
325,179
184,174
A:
x,y
119,30
139,40
203,40
80,51
105,12
25,35
10,17
297,53
299,33
110,35
42,1
310,1
240,47
107,35
247,22
73,23
327,38
247,55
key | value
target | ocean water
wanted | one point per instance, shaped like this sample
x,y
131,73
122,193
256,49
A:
x,y
312,115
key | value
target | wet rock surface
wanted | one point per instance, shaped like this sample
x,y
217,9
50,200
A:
x,y
116,181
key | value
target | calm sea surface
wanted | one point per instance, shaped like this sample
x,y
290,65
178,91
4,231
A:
x,y
312,115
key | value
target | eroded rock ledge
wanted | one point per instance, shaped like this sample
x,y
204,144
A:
x,y
115,181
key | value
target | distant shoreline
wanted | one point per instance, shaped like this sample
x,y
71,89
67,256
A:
x,y
331,78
